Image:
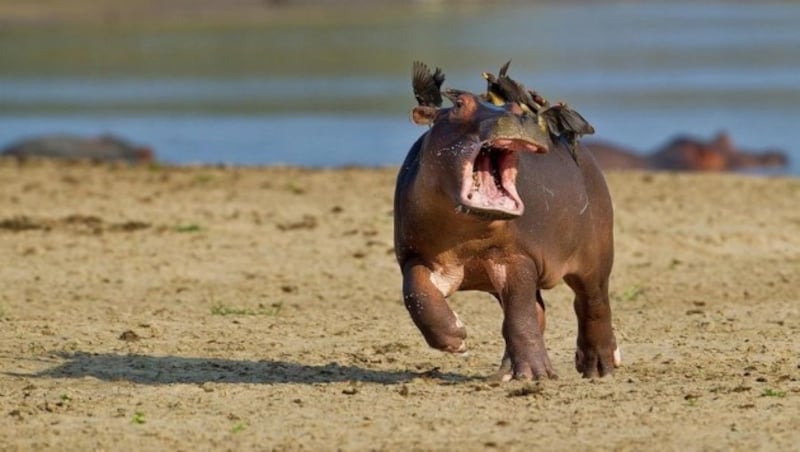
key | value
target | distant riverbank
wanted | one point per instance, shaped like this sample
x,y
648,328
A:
x,y
330,85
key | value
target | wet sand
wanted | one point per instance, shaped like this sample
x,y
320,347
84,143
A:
x,y
259,308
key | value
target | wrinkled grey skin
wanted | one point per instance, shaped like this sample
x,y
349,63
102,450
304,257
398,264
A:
x,y
99,149
563,232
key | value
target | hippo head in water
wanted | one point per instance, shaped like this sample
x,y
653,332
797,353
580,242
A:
x,y
736,158
475,147
719,154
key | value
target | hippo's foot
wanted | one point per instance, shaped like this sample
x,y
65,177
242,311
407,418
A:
x,y
532,368
440,326
449,340
597,361
446,334
597,354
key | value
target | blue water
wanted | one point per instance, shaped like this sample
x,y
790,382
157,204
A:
x,y
307,139
337,95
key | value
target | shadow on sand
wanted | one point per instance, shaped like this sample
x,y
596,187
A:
x,y
156,370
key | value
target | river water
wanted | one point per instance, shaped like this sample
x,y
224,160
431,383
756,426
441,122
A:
x,y
337,91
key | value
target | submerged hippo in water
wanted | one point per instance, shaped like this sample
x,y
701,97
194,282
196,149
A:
x,y
490,199
104,148
685,153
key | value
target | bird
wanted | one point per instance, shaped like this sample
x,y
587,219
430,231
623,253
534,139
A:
x,y
501,89
427,86
559,119
563,121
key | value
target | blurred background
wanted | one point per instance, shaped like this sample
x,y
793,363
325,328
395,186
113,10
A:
x,y
327,83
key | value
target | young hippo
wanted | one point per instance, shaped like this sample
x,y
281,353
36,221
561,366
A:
x,y
488,200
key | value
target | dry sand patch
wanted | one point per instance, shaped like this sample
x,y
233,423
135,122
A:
x,y
260,308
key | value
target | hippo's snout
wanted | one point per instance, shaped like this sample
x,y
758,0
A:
x,y
518,132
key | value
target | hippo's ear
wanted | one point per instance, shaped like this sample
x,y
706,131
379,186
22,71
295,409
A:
x,y
423,115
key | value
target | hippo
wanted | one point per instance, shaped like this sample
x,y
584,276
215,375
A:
x,y
686,153
104,148
490,199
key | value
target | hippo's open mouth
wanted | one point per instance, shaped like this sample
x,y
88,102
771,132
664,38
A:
x,y
489,186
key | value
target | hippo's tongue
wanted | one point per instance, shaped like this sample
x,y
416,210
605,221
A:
x,y
486,179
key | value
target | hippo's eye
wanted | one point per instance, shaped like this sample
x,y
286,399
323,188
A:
x,y
462,108
458,109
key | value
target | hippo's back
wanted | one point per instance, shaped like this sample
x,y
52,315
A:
x,y
68,147
612,157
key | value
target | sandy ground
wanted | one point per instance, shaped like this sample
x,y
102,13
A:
x,y
233,309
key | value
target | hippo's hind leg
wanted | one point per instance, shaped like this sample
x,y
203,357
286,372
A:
x,y
426,303
597,353
506,371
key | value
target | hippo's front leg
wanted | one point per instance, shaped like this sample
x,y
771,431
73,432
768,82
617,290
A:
x,y
523,329
505,372
429,310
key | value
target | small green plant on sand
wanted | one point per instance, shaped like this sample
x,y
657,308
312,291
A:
x,y
273,310
203,178
295,189
632,293
238,427
138,417
691,399
221,309
769,392
187,228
